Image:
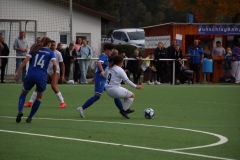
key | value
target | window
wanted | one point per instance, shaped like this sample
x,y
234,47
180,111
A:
x,y
123,36
136,35
63,39
117,35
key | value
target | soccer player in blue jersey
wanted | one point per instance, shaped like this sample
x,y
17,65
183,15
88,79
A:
x,y
40,56
99,79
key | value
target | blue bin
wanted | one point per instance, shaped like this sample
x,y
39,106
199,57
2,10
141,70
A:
x,y
207,65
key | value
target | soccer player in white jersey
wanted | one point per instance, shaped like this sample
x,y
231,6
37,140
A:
x,y
54,78
114,75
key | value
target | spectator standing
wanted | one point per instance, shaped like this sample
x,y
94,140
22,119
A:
x,y
114,54
196,55
3,52
133,66
70,61
178,57
227,62
160,53
86,54
208,55
21,47
148,67
124,66
78,44
217,51
77,47
170,55
236,62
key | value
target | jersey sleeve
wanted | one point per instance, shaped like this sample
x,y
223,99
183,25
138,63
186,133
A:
x,y
102,58
29,55
122,74
60,58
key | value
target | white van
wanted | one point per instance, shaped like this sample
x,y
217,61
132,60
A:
x,y
133,36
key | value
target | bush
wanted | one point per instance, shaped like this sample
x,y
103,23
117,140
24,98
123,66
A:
x,y
128,49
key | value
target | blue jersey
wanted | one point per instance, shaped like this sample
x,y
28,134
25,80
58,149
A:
x,y
104,60
39,63
100,80
37,71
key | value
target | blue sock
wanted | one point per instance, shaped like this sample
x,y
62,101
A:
x,y
118,103
35,107
21,102
90,101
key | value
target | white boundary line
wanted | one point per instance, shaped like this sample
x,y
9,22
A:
x,y
114,144
222,138
221,141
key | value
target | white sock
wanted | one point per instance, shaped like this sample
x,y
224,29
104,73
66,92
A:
x,y
33,97
127,103
60,98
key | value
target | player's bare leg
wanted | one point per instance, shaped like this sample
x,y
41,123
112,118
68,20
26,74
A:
x,y
54,83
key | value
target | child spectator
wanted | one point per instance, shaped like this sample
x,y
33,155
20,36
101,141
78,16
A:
x,y
227,62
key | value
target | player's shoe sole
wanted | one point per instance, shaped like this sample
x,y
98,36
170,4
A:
x,y
124,114
80,112
19,116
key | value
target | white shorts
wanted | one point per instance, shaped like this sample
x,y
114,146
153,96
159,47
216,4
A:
x,y
118,92
50,72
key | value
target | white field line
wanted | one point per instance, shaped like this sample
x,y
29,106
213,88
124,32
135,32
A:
x,y
114,144
221,141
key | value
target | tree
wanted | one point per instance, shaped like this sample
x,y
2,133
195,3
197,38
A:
x,y
209,11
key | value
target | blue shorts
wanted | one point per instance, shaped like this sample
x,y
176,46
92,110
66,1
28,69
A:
x,y
29,83
99,84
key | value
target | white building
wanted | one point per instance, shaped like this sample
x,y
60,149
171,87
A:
x,y
53,20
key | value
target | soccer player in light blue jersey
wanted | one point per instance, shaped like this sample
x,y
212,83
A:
x,y
100,80
40,56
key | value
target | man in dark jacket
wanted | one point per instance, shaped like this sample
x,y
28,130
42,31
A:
x,y
161,66
178,57
4,61
196,54
133,66
170,55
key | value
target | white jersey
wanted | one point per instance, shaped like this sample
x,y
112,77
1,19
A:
x,y
59,58
114,76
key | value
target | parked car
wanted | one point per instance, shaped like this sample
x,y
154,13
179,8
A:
x,y
132,36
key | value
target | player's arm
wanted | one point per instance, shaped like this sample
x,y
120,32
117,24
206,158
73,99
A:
x,y
127,81
63,71
21,66
99,64
54,65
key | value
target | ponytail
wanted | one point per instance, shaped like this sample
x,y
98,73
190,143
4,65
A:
x,y
44,42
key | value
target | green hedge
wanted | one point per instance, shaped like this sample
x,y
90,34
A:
x,y
127,48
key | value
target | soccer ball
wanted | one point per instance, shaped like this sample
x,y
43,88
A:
x,y
148,113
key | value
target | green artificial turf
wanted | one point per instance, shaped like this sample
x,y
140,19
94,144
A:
x,y
185,116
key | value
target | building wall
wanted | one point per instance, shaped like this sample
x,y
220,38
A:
x,y
52,20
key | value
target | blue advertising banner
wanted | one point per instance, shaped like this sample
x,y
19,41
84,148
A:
x,y
219,29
